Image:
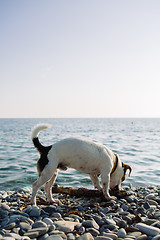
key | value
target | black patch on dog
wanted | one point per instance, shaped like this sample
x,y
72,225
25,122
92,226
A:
x,y
43,161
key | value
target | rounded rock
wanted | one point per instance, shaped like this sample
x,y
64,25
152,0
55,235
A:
x,y
93,231
156,237
10,226
25,226
149,230
121,233
35,212
48,221
142,237
90,224
71,236
39,224
110,235
86,236
102,238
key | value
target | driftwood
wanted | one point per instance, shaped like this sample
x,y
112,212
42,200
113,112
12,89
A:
x,y
84,192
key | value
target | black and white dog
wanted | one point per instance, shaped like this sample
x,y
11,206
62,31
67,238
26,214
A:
x,y
83,155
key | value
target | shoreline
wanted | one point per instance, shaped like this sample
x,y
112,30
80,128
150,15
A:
x,y
136,216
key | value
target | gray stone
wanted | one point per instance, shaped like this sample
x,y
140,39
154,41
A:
x,y
142,237
16,218
150,196
80,229
98,220
157,214
135,234
65,226
25,226
43,237
71,236
4,206
25,238
7,238
14,235
124,207
3,213
110,235
90,224
5,221
60,233
121,233
48,221
10,226
127,238
149,230
33,233
50,209
93,231
39,224
156,237
86,236
51,228
122,224
102,238
109,221
55,237
56,215
35,212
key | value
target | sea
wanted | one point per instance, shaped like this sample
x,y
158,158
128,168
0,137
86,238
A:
x,y
136,140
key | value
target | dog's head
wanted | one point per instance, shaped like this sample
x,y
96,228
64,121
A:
x,y
119,174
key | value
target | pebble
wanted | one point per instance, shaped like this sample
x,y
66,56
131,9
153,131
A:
x,y
121,233
134,217
149,230
65,226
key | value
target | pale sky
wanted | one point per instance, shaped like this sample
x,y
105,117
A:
x,y
79,58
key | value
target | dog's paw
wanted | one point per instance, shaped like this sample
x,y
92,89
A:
x,y
109,198
113,198
54,201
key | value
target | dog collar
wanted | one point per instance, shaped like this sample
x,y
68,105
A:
x,y
115,164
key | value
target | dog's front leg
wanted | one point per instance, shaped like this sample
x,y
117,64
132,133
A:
x,y
95,181
106,185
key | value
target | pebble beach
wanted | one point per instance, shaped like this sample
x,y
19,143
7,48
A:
x,y
135,216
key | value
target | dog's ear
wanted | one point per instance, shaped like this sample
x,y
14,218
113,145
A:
x,y
126,167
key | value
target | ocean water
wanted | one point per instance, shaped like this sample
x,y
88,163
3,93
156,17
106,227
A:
x,y
137,141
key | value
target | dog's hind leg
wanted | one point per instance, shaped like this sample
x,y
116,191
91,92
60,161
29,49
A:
x,y
44,177
95,181
48,188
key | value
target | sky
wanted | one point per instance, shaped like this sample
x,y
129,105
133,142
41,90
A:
x,y
79,58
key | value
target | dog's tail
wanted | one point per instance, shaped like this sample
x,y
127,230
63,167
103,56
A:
x,y
35,140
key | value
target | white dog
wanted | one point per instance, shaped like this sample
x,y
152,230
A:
x,y
83,155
